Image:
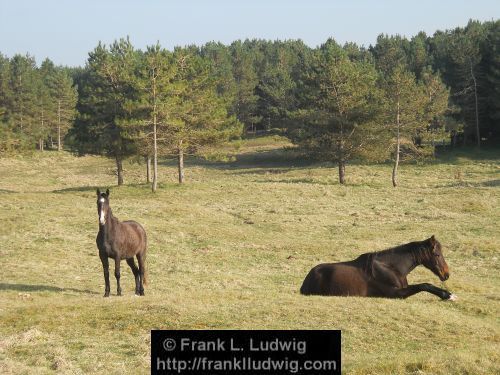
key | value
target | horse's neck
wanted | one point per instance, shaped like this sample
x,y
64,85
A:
x,y
420,256
403,262
110,223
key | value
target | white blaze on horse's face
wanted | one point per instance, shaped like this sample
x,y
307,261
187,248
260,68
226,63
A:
x,y
102,213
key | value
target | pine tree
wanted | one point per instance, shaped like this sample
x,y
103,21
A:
x,y
418,55
389,53
8,139
492,60
276,89
202,118
45,113
104,103
410,108
339,121
4,88
22,106
63,101
160,101
457,54
245,105
221,70
465,53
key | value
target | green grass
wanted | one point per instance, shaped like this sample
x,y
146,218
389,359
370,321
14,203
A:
x,y
230,248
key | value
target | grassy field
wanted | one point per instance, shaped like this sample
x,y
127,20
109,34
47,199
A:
x,y
230,248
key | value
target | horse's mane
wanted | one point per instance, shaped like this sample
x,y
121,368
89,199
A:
x,y
418,249
366,261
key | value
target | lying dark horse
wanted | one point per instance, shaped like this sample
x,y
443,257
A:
x,y
380,274
120,240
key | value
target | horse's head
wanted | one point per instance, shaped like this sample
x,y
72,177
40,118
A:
x,y
434,260
102,205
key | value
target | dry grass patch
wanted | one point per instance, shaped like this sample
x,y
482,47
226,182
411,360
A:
x,y
230,250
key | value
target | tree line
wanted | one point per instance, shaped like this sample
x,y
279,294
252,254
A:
x,y
37,104
394,100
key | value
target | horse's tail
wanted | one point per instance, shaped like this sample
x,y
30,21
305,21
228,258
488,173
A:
x,y
145,278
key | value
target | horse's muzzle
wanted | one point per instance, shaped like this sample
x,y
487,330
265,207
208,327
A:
x,y
444,273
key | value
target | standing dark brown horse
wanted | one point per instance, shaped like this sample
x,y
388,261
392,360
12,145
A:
x,y
381,274
120,240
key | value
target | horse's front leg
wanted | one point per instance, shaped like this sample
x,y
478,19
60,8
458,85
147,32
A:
x,y
410,290
105,267
441,293
117,275
389,291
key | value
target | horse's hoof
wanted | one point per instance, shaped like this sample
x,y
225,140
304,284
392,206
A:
x,y
106,295
452,297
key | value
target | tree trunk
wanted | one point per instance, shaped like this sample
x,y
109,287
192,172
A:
x,y
396,164
119,170
398,142
180,159
148,169
342,172
155,158
478,135
341,156
59,145
155,141
40,142
21,112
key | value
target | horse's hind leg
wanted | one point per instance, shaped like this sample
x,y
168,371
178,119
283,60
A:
x,y
117,275
135,271
141,259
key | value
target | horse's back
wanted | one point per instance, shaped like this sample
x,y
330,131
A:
x,y
134,224
335,279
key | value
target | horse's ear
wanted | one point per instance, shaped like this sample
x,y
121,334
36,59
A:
x,y
432,240
107,192
98,192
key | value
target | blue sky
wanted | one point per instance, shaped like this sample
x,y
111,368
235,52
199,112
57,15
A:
x,y
65,31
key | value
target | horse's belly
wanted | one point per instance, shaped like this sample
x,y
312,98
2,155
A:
x,y
335,279
348,281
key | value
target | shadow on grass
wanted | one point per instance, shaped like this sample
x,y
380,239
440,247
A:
x,y
453,155
92,189
41,288
491,183
81,189
299,181
6,191
250,160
